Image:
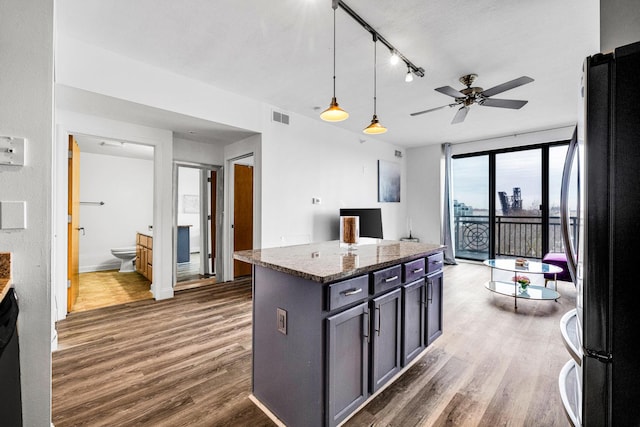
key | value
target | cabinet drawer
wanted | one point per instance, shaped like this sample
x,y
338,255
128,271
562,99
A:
x,y
385,279
434,262
413,270
347,292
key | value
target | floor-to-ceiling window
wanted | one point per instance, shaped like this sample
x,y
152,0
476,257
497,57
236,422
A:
x,y
507,202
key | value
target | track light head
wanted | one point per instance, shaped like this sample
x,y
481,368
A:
x,y
394,58
409,77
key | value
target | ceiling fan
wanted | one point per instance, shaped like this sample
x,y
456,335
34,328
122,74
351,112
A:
x,y
476,95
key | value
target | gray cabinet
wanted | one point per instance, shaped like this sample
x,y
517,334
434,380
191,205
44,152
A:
x,y
347,362
386,320
413,320
434,306
321,350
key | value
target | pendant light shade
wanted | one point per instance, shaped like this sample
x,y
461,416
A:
x,y
334,113
375,128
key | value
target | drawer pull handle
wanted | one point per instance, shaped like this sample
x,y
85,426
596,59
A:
x,y
436,262
351,291
391,279
417,270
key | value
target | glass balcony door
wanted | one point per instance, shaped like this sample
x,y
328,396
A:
x,y
518,211
471,207
507,202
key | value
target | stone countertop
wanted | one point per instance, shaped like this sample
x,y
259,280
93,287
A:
x,y
327,262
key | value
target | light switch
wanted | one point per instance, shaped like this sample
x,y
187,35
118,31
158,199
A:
x,y
13,215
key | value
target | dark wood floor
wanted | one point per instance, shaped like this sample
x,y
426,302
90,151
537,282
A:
x,y
187,362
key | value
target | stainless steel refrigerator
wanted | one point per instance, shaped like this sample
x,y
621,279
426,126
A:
x,y
600,384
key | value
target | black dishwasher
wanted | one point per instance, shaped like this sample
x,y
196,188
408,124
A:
x,y
10,394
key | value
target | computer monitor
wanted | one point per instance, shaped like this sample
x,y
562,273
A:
x,y
370,221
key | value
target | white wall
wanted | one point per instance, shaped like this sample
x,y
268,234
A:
x,y
198,152
309,158
424,189
125,185
26,110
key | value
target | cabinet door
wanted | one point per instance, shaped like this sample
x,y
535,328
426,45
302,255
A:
x,y
386,313
347,362
434,306
413,319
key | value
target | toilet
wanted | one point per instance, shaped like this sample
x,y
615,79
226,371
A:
x,y
126,255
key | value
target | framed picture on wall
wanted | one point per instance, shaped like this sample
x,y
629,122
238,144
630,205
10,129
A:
x,y
388,181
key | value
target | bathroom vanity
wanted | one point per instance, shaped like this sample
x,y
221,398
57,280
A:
x,y
144,255
332,328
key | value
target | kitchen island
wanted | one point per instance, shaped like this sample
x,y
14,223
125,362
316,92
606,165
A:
x,y
333,327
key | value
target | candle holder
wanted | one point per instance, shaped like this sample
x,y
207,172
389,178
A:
x,y
349,231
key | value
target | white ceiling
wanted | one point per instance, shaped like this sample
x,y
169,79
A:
x,y
280,52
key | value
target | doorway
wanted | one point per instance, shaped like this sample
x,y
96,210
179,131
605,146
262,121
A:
x,y
242,226
197,224
106,179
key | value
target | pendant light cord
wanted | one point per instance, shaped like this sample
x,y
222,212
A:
x,y
375,56
334,53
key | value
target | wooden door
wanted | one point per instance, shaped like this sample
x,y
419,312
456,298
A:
x,y
73,227
242,215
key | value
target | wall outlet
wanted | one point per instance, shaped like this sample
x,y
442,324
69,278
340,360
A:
x,y
281,314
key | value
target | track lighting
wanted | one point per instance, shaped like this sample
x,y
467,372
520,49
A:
x,y
374,127
394,58
409,77
334,113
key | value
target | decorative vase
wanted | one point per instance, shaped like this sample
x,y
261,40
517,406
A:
x,y
349,231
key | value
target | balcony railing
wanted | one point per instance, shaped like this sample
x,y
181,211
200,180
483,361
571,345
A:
x,y
518,236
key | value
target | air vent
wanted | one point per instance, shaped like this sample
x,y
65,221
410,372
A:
x,y
280,117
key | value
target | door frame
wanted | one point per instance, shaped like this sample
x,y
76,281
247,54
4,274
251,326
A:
x,y
162,142
204,205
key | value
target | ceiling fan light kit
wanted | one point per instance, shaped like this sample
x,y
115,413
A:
x,y
470,95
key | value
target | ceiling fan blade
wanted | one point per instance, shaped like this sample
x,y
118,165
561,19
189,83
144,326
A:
x,y
448,90
460,115
503,103
507,86
432,109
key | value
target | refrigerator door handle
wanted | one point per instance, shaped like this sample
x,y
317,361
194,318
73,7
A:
x,y
572,259
601,356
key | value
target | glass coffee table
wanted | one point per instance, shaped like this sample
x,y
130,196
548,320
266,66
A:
x,y
512,288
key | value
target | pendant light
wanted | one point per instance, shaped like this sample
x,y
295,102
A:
x,y
334,113
375,127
